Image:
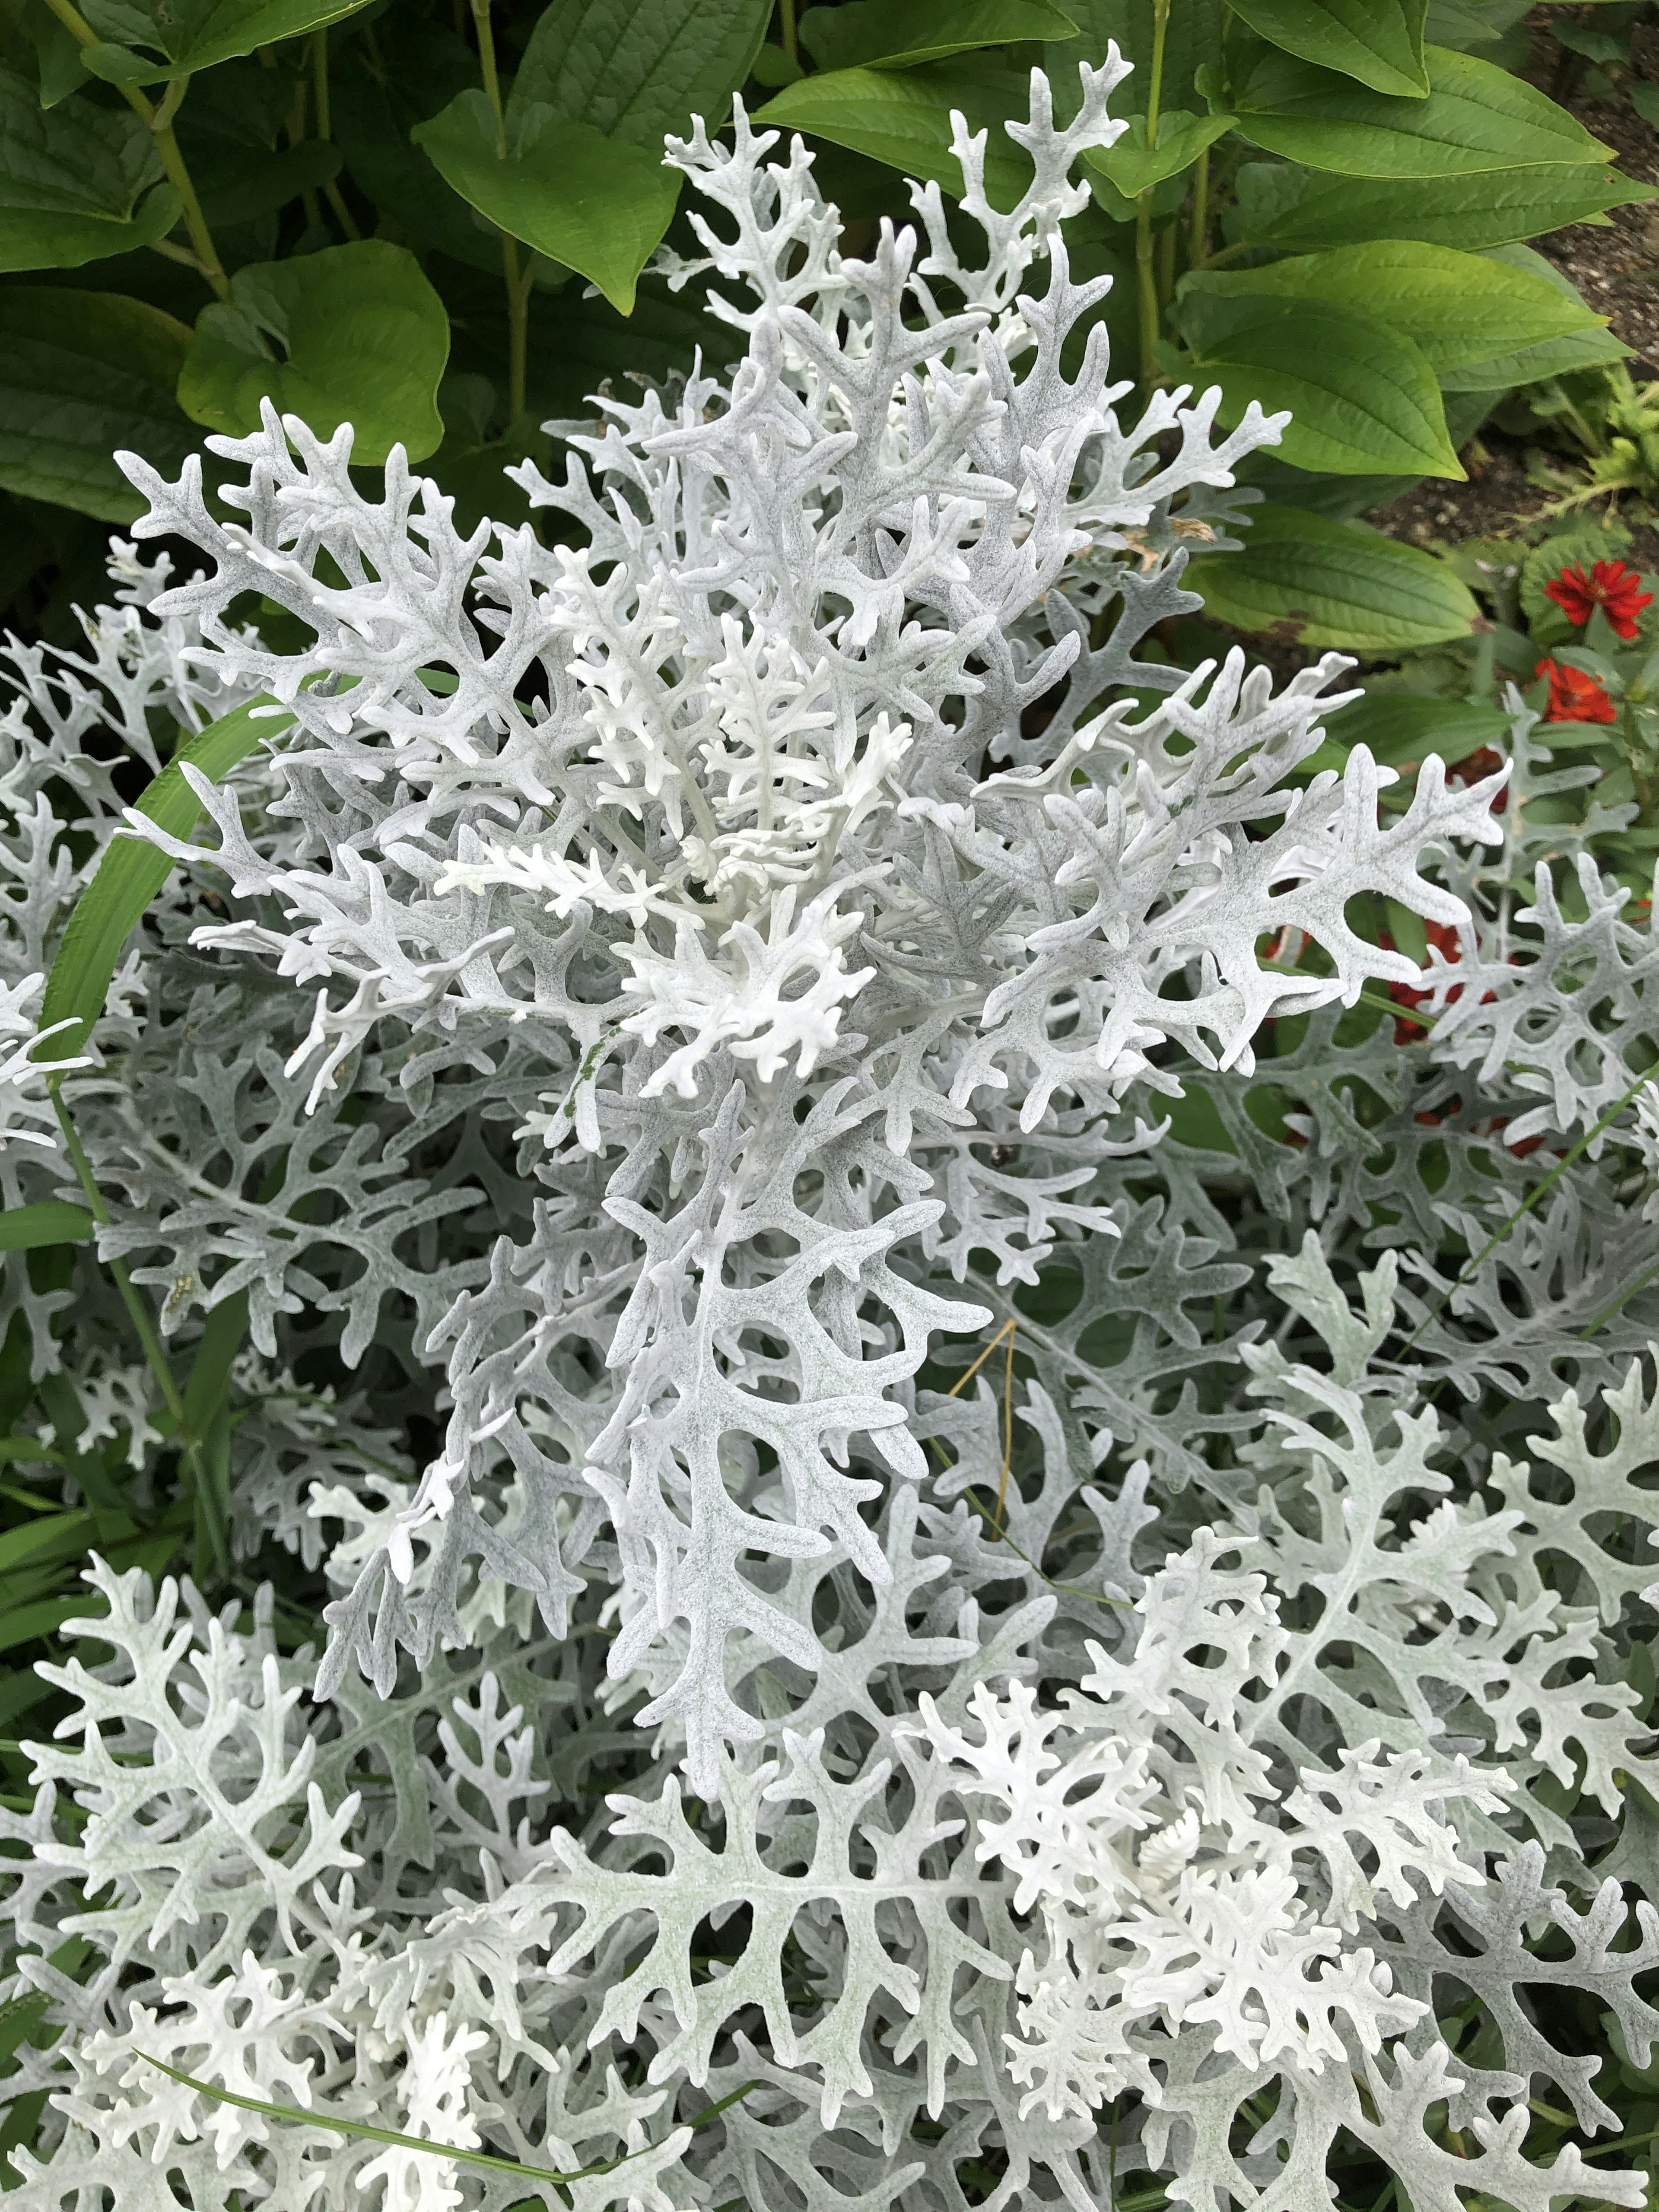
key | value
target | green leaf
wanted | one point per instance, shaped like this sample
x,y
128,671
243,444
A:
x,y
71,180
1288,207
875,34
1305,580
22,1624
1380,42
372,124
1397,726
146,40
352,334
634,70
82,374
1182,138
1456,308
902,118
52,1221
1476,117
1591,345
131,874
31,240
259,182
600,205
1363,399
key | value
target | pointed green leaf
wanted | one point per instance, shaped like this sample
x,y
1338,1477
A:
x,y
634,70
53,1221
1476,117
352,334
143,42
902,118
1363,399
1309,581
71,178
1379,42
1279,205
900,34
598,204
1456,308
1181,139
82,374
132,873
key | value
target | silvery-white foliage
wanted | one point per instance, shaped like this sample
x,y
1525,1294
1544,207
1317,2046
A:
x,y
658,984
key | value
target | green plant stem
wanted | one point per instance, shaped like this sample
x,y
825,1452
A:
x,y
331,191
787,30
130,1298
1201,206
361,2131
155,1358
1145,273
517,281
1537,1192
158,121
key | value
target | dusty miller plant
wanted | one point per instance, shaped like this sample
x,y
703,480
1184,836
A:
x,y
666,991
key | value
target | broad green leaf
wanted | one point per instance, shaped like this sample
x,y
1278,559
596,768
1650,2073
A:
x,y
1476,117
71,180
52,1221
1363,399
145,41
1591,345
1380,42
82,374
372,124
902,118
33,240
1456,308
352,334
132,873
1182,138
262,180
1397,726
875,34
633,70
600,205
1306,580
1279,205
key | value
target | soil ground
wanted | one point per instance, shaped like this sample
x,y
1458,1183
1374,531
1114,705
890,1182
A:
x,y
1616,267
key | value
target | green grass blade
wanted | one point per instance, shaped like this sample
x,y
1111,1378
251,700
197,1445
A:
x,y
129,875
53,1221
361,2131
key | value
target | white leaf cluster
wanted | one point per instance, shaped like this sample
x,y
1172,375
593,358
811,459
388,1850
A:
x,y
670,976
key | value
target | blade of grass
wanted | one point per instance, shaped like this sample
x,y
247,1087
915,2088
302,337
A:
x,y
1537,1191
361,2131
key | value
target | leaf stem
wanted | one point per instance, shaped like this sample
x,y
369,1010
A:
x,y
158,121
331,191
517,281
155,1358
1201,206
130,1298
787,28
1145,274
1537,1192
361,2131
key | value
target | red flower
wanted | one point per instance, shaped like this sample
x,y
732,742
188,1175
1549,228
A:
x,y
1443,937
1574,697
1482,762
1609,584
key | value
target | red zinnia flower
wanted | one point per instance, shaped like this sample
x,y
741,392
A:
x,y
1574,697
1609,584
